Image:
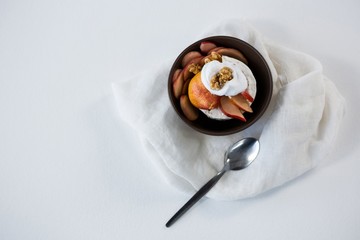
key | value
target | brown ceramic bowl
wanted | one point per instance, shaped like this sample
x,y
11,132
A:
x,y
264,82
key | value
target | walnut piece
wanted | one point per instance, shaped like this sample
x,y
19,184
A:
x,y
213,56
194,68
218,81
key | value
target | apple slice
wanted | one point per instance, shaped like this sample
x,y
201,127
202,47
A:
x,y
189,56
176,74
234,53
247,95
178,85
230,109
188,109
206,47
241,102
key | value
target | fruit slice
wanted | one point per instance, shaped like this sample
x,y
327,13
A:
x,y
199,96
216,49
247,95
185,87
176,74
203,60
186,70
230,109
178,85
234,53
188,109
241,102
189,56
206,47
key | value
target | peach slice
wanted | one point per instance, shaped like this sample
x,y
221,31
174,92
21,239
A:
x,y
189,56
185,87
247,95
216,49
199,96
178,85
188,109
230,109
176,74
234,53
202,62
187,75
206,47
241,102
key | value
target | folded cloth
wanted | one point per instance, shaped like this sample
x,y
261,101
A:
x,y
296,132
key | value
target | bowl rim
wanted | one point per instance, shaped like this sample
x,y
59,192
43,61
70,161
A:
x,y
219,38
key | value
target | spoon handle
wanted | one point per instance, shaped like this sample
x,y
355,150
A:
x,y
198,195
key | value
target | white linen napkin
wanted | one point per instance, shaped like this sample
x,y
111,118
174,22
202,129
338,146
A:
x,y
295,133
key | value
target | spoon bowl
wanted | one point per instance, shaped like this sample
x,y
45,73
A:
x,y
242,153
239,156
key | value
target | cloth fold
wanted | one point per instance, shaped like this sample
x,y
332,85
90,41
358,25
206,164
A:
x,y
295,133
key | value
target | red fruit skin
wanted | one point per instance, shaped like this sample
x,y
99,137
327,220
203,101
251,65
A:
x,y
178,85
234,53
187,74
230,109
188,109
216,49
185,87
247,96
189,56
199,96
206,47
176,74
241,102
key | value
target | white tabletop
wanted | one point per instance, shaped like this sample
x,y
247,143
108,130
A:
x,y
71,169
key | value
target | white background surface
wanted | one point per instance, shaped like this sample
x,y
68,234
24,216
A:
x,y
70,169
